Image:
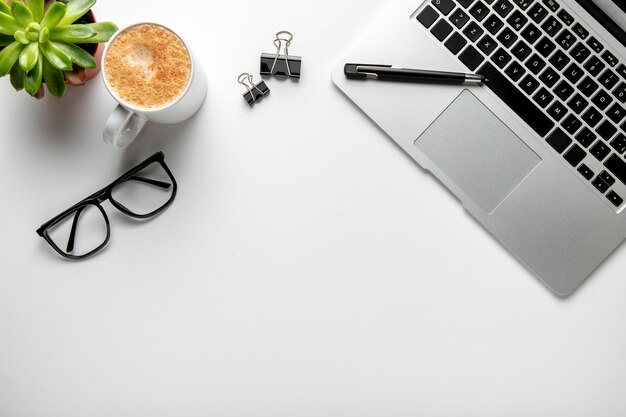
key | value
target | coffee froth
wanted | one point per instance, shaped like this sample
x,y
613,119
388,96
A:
x,y
147,66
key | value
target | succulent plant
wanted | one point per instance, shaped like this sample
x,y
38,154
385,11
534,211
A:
x,y
41,41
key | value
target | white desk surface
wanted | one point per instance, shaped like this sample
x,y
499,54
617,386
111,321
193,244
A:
x,y
306,268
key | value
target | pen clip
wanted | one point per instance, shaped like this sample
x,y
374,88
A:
x,y
356,72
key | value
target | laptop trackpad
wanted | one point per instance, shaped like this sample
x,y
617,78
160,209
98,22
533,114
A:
x,y
477,152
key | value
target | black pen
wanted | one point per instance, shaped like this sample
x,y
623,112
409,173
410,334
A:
x,y
389,73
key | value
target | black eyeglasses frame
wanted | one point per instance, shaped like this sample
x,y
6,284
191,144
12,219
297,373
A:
x,y
104,194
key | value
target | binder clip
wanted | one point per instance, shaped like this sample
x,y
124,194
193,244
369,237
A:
x,y
281,65
255,92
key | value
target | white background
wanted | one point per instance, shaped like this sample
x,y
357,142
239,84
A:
x,y
306,268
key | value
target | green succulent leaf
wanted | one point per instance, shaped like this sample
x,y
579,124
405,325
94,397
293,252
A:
x,y
89,33
21,37
72,33
4,8
9,56
29,56
54,15
105,30
36,7
55,81
21,13
8,25
32,80
6,39
76,9
57,57
17,77
44,35
77,54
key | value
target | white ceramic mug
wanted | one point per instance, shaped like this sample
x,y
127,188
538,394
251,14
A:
x,y
127,121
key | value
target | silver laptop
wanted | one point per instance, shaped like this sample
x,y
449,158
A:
x,y
537,154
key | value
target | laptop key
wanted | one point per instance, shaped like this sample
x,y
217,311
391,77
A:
x,y
620,92
559,60
535,64
493,24
619,144
465,3
606,130
580,31
516,100
608,79
479,11
471,57
517,20
444,6
609,58
594,65
427,17
503,8
617,167
501,58
571,124
523,4
507,37
588,86
586,137
575,155
586,172
616,113
600,185
545,47
543,97
459,18
521,50
566,39
595,45
621,70
529,84
531,33
455,43
563,90
473,31
487,45
549,77
602,99
606,177
565,17
552,26
557,110
600,151
551,4
559,140
592,117
573,73
614,198
515,71
537,13
580,53
441,30
577,103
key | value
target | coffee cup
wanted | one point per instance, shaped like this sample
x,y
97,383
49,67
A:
x,y
151,72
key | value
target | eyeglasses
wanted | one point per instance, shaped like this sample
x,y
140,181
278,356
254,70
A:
x,y
83,229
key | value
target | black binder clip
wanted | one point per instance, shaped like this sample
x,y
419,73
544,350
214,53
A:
x,y
255,92
281,65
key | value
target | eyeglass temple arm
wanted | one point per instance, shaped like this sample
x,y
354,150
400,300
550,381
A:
x,y
70,241
156,183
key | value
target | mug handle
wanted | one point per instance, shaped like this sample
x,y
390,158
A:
x,y
123,127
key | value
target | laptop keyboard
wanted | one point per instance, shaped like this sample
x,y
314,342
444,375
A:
x,y
552,72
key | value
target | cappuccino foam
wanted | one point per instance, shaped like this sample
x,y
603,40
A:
x,y
147,66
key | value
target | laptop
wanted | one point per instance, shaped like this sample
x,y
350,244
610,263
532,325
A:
x,y
536,154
